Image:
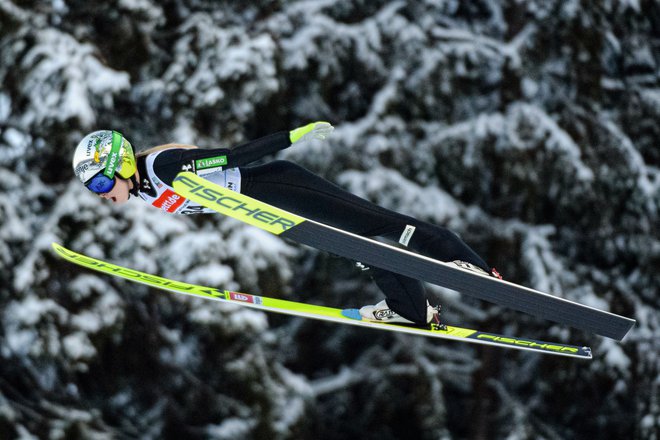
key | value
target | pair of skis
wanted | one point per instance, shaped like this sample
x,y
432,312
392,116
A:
x,y
373,253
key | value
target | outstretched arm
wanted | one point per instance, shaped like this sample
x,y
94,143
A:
x,y
171,162
254,150
251,151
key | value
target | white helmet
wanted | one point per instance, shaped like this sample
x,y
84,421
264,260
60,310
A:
x,y
104,151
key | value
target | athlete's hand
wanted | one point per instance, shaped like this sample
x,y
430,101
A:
x,y
315,130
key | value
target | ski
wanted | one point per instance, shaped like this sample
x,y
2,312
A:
x,y
404,262
346,316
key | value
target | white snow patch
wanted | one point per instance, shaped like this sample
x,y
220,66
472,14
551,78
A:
x,y
615,356
64,77
231,429
388,188
78,346
30,311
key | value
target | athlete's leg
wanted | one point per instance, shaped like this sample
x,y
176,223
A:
x,y
406,296
291,187
295,189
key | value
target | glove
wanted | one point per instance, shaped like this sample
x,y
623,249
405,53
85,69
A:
x,y
315,130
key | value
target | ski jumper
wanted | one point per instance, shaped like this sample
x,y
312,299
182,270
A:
x,y
290,187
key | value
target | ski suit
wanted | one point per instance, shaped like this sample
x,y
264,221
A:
x,y
295,189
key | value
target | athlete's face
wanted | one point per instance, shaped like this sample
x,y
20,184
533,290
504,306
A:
x,y
120,192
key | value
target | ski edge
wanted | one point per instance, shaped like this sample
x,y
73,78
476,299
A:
x,y
323,313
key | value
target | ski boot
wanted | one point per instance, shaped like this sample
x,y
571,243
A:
x,y
381,312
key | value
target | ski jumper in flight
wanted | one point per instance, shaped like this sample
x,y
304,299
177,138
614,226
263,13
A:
x,y
105,163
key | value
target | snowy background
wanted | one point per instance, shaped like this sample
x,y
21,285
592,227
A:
x,y
529,127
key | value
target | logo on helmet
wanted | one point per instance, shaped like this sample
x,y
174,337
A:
x,y
97,149
80,169
112,163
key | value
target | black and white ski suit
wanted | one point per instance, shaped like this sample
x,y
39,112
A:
x,y
295,189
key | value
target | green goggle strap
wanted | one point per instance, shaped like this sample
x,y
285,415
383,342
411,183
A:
x,y
113,158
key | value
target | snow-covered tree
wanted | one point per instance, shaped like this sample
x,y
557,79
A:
x,y
528,127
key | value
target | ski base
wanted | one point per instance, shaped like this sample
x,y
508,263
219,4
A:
x,y
346,316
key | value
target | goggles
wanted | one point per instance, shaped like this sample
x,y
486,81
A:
x,y
104,181
100,183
